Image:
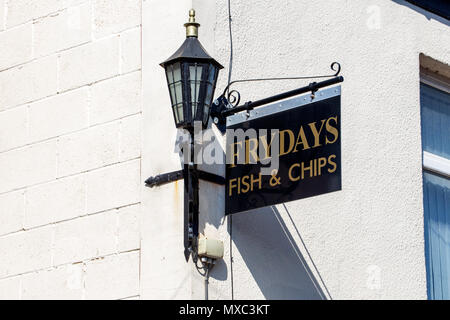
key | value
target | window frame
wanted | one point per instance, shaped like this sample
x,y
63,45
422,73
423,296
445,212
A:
x,y
430,161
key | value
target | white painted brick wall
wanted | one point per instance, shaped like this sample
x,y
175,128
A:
x,y
113,186
55,201
58,115
61,283
10,289
28,166
115,16
130,137
88,149
28,82
88,63
20,11
2,14
70,147
12,212
131,58
62,30
26,251
116,98
113,277
13,128
16,46
85,238
129,228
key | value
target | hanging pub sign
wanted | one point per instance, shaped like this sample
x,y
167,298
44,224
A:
x,y
285,151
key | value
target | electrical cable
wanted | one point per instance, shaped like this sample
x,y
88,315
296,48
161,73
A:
x,y
230,217
208,264
230,67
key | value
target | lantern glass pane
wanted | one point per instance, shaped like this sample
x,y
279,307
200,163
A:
x,y
195,75
173,73
179,111
209,92
178,92
172,94
176,72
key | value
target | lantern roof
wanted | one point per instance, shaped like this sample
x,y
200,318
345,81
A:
x,y
191,49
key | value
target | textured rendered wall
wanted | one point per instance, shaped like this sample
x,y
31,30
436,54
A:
x,y
70,148
364,242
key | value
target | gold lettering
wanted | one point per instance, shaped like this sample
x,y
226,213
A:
x,y
290,172
310,169
316,133
252,181
251,153
246,184
332,163
301,139
322,163
235,153
282,142
331,130
265,145
231,186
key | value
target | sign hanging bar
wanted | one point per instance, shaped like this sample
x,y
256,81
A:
x,y
313,87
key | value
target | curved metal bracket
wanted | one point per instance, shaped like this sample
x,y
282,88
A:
x,y
234,97
228,103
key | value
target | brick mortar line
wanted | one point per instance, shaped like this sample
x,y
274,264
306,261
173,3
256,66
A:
x,y
39,17
69,90
72,175
68,133
85,261
54,223
92,41
129,297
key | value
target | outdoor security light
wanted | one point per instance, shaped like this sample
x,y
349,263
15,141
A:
x,y
191,77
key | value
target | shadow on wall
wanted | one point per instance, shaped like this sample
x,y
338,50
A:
x,y
267,248
429,15
273,258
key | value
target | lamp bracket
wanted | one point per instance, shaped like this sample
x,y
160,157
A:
x,y
165,178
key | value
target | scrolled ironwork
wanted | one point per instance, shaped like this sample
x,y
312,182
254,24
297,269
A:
x,y
234,96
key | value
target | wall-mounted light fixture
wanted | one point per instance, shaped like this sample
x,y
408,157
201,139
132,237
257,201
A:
x,y
191,75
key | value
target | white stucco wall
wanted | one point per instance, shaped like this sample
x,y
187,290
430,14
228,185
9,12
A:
x,y
364,242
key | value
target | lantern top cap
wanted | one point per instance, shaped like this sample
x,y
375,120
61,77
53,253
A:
x,y
191,49
192,26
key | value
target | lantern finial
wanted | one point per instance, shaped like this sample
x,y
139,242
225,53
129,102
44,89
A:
x,y
192,26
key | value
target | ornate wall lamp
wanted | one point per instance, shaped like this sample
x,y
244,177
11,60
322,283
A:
x,y
191,75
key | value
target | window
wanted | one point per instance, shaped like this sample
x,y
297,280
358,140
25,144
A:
x,y
435,114
439,7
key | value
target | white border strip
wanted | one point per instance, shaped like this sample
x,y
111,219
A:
x,y
284,105
436,164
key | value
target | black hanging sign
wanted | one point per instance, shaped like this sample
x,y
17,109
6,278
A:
x,y
307,131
